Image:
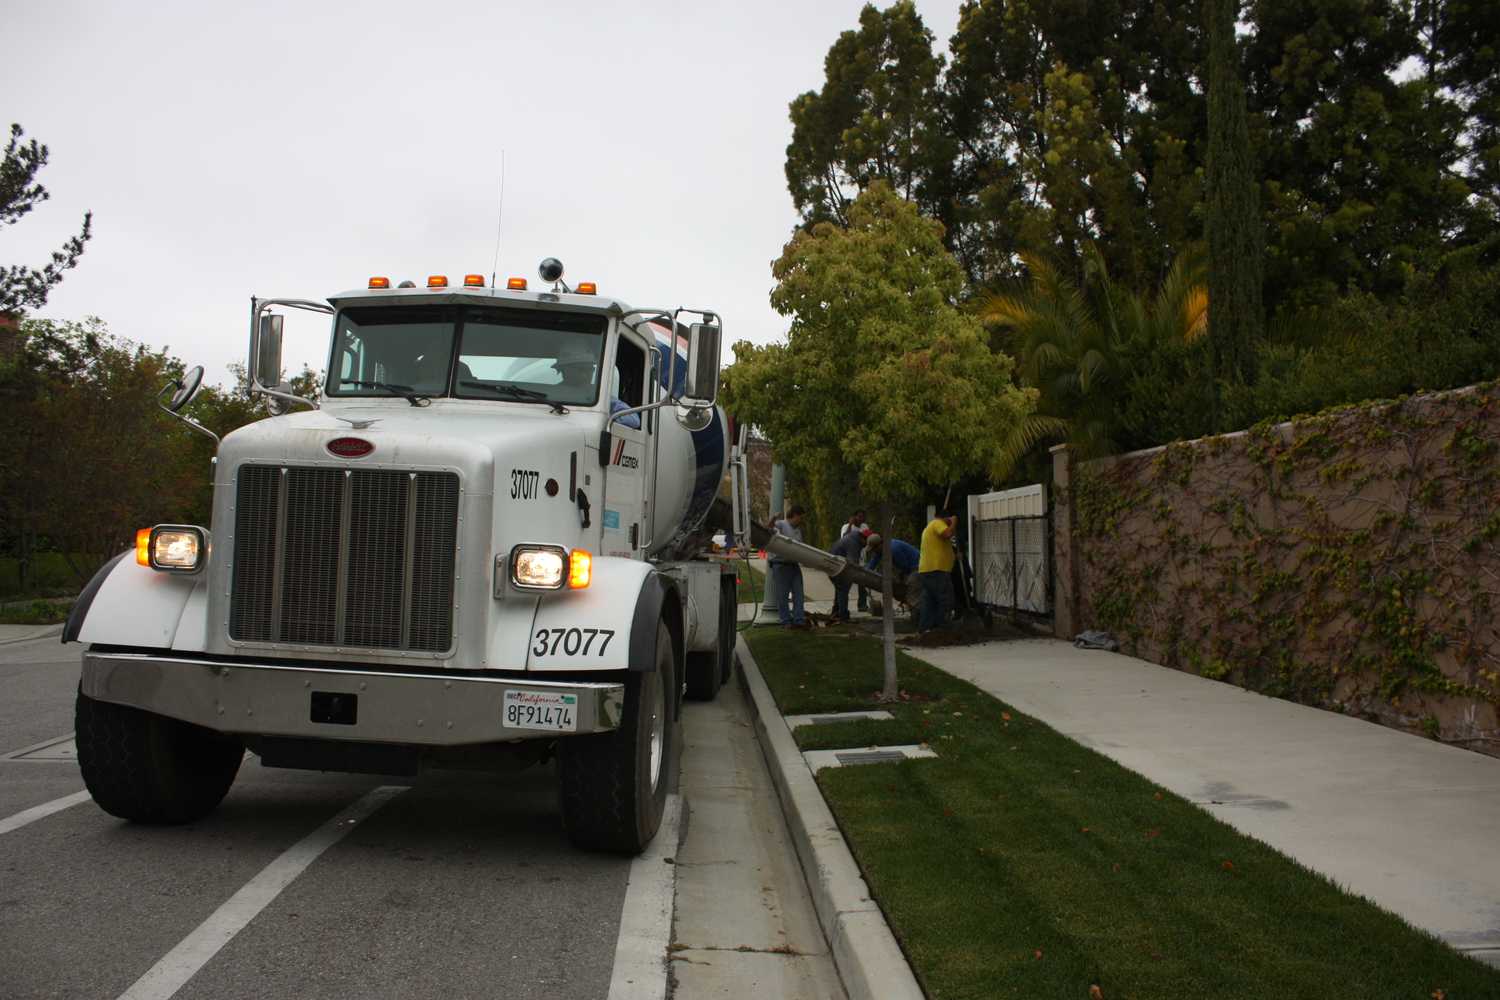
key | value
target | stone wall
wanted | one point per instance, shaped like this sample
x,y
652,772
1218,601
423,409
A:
x,y
1349,560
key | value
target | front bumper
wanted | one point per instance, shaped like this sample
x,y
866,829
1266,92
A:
x,y
268,699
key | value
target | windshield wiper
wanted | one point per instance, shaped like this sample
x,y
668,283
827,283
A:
x,y
406,392
517,392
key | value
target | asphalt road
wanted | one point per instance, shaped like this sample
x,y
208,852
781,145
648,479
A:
x,y
459,885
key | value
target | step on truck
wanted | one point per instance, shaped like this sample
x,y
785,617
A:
x,y
482,545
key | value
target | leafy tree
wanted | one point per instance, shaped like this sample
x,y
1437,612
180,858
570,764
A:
x,y
1361,160
86,455
23,287
883,381
1235,233
873,119
1062,123
1086,347
1460,52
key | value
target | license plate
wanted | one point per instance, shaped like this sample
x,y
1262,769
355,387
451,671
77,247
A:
x,y
549,711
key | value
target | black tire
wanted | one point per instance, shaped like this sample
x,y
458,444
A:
x,y
703,675
706,670
611,799
150,769
729,614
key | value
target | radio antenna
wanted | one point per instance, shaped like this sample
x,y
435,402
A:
x,y
499,221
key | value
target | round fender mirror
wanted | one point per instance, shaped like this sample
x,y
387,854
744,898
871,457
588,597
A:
x,y
187,388
694,416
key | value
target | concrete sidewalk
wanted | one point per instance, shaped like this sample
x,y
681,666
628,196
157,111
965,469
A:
x,y
1406,822
26,633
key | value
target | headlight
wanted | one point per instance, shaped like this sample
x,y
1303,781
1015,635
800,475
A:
x,y
172,548
539,567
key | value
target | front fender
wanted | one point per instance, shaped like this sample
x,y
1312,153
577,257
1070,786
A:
x,y
127,604
610,625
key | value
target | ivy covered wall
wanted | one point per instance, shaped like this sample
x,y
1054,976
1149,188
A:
x,y
1349,560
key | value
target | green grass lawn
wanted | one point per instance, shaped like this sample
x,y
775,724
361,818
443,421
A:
x,y
1022,864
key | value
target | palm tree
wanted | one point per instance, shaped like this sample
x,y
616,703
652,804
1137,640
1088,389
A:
x,y
1081,344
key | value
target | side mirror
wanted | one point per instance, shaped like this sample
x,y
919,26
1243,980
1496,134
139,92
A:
x,y
268,350
703,363
187,388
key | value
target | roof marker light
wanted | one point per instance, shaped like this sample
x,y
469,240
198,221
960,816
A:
x,y
380,282
586,288
473,281
437,281
516,284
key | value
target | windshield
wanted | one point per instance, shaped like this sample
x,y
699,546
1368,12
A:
x,y
473,352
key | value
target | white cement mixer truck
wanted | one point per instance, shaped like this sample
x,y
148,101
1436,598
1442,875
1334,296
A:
x,y
482,544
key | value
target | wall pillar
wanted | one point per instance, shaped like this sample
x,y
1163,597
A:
x,y
1065,555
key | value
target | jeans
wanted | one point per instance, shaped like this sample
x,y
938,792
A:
x,y
787,579
937,599
841,600
864,599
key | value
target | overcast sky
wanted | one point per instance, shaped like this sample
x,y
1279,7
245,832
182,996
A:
x,y
295,149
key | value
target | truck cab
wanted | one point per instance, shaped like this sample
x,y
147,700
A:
x,y
481,544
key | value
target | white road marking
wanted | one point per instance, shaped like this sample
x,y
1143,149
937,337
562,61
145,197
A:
x,y
180,964
42,811
646,917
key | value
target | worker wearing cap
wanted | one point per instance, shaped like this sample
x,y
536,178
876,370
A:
x,y
934,571
904,556
848,547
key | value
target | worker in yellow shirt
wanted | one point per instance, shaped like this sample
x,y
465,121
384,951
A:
x,y
934,571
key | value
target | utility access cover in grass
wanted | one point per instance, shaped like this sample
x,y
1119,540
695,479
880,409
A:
x,y
819,759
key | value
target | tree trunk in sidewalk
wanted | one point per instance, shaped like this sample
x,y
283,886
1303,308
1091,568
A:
x,y
887,604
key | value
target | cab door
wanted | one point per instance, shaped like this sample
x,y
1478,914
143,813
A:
x,y
626,466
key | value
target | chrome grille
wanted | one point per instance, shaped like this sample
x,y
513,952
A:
x,y
344,557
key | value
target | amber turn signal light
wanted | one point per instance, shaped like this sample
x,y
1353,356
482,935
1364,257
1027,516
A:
x,y
580,569
143,547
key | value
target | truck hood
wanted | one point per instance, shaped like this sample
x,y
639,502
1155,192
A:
x,y
476,438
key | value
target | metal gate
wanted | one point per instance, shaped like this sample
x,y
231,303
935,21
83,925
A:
x,y
1010,544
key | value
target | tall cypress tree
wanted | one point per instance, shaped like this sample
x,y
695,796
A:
x,y
1235,232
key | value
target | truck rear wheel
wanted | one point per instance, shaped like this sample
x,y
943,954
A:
x,y
729,628
150,769
707,670
614,785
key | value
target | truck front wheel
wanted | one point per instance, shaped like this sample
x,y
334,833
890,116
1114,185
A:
x,y
614,785
150,769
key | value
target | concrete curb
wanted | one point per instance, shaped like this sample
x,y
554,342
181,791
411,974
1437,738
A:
x,y
11,634
865,952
